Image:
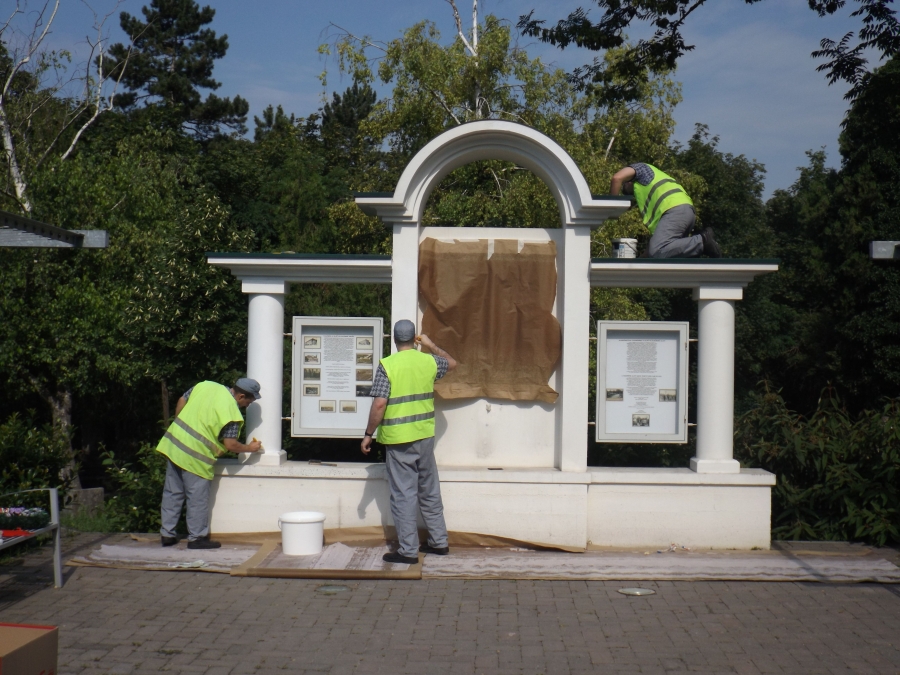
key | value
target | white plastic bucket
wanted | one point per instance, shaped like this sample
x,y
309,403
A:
x,y
302,532
624,248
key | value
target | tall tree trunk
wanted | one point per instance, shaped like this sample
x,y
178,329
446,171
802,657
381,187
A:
x,y
61,411
164,390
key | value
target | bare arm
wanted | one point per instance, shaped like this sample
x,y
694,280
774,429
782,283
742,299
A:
x,y
376,415
621,176
234,445
180,405
434,349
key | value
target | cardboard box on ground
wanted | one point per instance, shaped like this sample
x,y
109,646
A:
x,y
28,650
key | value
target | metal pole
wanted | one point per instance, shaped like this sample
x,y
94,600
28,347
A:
x,y
57,543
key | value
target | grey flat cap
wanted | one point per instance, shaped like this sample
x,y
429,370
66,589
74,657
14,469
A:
x,y
250,386
404,331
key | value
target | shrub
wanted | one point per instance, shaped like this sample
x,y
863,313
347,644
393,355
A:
x,y
838,477
33,457
138,490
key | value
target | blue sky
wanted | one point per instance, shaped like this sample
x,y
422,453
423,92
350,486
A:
x,y
750,78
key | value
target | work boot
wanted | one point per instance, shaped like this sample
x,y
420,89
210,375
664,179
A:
x,y
425,548
397,558
204,543
710,245
169,541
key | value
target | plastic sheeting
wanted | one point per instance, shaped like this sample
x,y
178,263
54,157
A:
x,y
489,304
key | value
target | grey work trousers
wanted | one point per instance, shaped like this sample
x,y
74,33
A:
x,y
671,240
413,478
180,484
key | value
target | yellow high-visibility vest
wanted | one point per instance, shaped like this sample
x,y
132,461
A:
x,y
661,195
192,440
409,415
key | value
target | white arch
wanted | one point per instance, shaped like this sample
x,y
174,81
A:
x,y
493,139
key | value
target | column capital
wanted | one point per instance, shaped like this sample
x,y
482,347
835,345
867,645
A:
x,y
719,291
266,285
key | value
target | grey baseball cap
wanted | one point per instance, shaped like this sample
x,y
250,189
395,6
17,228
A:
x,y
404,331
250,386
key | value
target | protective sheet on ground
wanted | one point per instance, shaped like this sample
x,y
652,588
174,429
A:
x,y
489,304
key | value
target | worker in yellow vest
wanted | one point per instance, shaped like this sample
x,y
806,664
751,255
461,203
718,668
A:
x,y
403,414
208,422
668,213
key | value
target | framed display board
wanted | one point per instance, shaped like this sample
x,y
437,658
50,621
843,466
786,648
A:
x,y
642,374
334,361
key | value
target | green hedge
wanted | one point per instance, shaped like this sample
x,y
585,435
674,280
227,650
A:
x,y
31,457
138,490
838,476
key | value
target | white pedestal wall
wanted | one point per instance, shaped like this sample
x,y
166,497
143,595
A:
x,y
629,508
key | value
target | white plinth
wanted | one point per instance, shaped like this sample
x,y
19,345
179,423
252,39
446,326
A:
x,y
601,507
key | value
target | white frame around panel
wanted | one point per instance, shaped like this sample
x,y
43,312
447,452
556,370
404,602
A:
x,y
680,328
364,403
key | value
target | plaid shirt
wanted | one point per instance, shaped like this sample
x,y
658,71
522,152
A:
x,y
381,385
230,430
643,173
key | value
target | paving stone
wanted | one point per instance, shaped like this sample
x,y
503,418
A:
x,y
122,621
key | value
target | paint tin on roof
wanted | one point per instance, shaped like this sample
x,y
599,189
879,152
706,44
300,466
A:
x,y
624,248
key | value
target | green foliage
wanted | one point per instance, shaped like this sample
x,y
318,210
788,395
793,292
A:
x,y
837,475
99,520
138,487
32,457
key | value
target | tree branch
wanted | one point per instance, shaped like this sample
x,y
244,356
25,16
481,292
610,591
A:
x,y
459,29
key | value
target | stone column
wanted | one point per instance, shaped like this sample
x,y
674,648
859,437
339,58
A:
x,y
265,364
574,317
404,277
715,379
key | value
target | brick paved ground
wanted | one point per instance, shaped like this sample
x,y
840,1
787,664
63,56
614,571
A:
x,y
121,621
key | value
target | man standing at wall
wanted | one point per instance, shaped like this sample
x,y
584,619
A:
x,y
668,213
403,413
207,422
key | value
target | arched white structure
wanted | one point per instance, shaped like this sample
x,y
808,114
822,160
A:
x,y
494,140
546,492
562,443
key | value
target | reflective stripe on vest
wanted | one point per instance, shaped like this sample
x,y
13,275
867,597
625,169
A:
x,y
661,195
192,440
409,415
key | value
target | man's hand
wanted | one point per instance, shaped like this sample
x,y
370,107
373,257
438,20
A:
x,y
234,445
426,341
366,445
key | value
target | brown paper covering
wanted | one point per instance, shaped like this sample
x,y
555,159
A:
x,y
493,315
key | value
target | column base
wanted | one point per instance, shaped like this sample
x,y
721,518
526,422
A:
x,y
265,458
715,465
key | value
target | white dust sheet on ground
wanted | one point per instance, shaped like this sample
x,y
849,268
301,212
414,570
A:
x,y
680,566
334,557
151,555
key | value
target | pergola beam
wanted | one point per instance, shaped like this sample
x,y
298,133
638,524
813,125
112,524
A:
x,y
20,232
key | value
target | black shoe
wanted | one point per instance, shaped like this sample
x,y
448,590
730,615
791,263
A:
x,y
425,548
710,245
397,558
204,543
169,541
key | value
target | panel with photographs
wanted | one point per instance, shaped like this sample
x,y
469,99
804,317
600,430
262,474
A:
x,y
333,365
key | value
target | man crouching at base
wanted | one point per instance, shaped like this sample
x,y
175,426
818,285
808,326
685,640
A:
x,y
403,414
207,422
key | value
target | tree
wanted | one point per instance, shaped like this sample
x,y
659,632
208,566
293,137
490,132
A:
x,y
44,109
620,80
172,56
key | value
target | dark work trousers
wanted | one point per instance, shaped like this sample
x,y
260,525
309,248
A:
x,y
671,240
413,478
181,484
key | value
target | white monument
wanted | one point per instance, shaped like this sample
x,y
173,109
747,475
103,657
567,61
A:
x,y
514,469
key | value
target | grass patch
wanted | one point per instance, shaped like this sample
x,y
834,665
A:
x,y
101,520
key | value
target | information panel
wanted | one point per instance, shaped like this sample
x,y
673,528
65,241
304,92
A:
x,y
642,381
334,361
